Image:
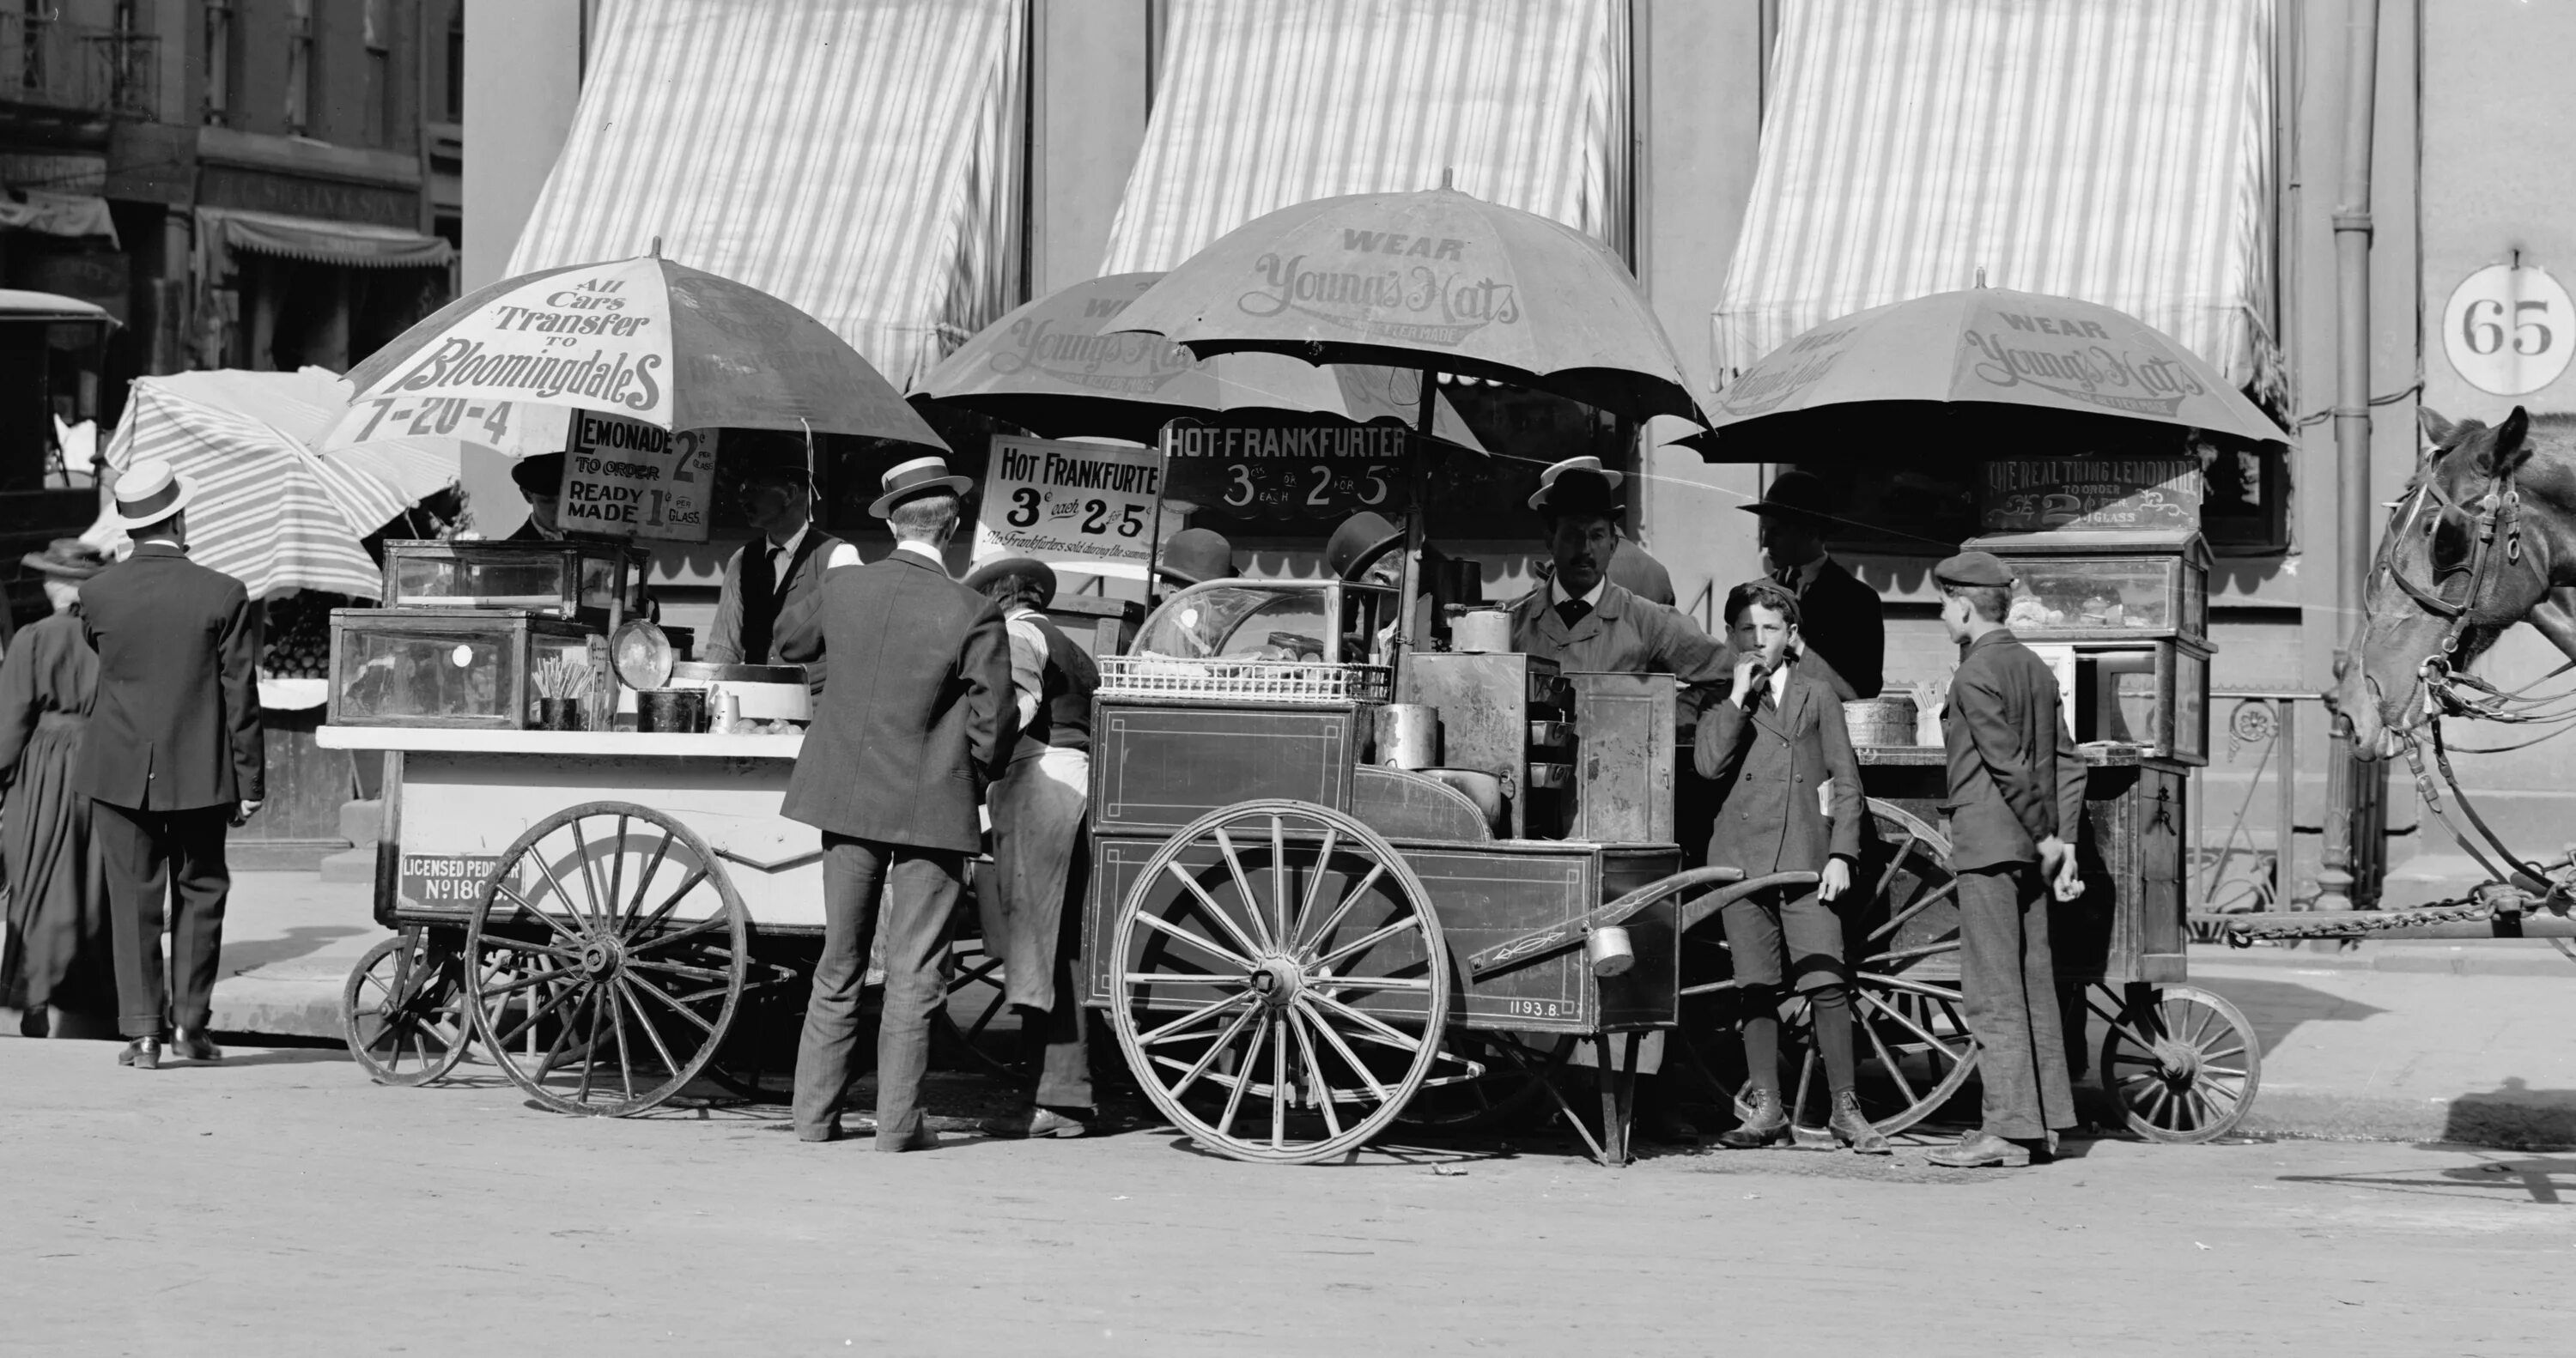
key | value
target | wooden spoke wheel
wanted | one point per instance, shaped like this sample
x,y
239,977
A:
x,y
1279,982
976,1031
403,1011
608,952
2181,1063
1913,1052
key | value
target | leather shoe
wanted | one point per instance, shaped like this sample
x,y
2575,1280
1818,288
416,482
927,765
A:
x,y
1042,1122
1765,1122
196,1046
1982,1150
1851,1127
143,1053
819,1135
922,1139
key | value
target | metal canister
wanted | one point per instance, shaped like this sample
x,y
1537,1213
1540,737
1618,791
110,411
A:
x,y
1486,630
1609,951
728,718
1408,735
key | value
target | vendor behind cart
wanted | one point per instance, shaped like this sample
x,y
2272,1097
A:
x,y
540,480
773,584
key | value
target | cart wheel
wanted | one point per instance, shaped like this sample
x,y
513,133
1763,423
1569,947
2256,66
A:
x,y
403,1012
1279,982
1502,1073
609,952
1901,938
2182,1064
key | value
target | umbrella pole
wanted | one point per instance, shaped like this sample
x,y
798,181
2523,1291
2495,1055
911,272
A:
x,y
1154,535
1410,582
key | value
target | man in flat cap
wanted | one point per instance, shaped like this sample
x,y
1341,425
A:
x,y
2016,802
1844,623
917,722
773,584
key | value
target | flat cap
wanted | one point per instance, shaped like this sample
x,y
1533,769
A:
x,y
1973,568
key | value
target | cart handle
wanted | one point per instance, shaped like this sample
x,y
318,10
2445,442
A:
x,y
1539,942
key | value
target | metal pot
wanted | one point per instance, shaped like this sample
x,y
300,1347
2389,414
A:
x,y
1486,630
671,710
1480,787
1408,735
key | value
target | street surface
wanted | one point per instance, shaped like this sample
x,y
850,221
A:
x,y
283,1205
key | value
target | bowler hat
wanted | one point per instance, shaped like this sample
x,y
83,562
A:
x,y
1973,568
767,455
912,480
1796,495
538,475
149,492
1195,556
1578,485
67,559
1010,567
1359,543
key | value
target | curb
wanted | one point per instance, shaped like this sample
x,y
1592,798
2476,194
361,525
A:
x,y
2483,958
2500,1121
276,1006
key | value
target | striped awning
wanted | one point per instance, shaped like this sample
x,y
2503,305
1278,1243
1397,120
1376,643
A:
x,y
1266,103
2117,153
859,158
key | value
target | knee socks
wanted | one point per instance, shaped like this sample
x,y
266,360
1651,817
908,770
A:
x,y
1833,1018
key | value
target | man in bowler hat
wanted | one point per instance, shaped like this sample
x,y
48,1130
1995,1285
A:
x,y
1844,626
2016,803
774,583
540,480
173,759
917,721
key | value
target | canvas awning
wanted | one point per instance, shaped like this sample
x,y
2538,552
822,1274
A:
x,y
858,158
2121,154
77,215
351,245
1262,104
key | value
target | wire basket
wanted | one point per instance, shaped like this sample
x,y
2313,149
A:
x,y
1265,681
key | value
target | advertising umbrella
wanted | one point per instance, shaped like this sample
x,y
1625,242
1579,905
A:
x,y
1982,347
1052,367
642,338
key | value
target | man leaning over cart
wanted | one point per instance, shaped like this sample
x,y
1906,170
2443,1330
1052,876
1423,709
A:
x,y
773,584
916,723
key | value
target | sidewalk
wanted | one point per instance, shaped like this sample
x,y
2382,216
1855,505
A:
x,y
2465,1042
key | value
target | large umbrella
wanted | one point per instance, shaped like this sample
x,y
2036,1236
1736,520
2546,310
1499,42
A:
x,y
1437,280
644,338
1981,347
1053,367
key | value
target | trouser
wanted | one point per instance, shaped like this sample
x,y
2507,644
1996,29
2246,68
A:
x,y
1037,819
2008,985
1063,1032
918,889
164,866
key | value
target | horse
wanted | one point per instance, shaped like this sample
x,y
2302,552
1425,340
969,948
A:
x,y
2483,537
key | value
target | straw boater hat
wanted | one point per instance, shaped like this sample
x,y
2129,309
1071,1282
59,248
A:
x,y
912,480
1579,485
67,559
149,492
1013,566
1195,556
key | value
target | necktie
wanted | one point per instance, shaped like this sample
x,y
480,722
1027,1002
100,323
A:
x,y
1787,578
1573,611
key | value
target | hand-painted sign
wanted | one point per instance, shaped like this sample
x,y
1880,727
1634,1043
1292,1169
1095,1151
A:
x,y
2090,494
1296,472
627,479
1084,506
449,881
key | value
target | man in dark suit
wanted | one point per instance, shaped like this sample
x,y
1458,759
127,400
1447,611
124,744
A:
x,y
2016,802
773,584
540,480
917,722
174,758
1844,623
1790,801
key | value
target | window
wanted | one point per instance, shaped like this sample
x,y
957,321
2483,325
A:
x,y
381,118
301,76
219,62
456,65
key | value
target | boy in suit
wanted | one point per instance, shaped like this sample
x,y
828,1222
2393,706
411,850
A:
x,y
1790,801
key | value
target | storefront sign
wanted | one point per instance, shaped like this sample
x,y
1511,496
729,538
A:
x,y
624,478
1286,474
2090,494
1084,506
2509,330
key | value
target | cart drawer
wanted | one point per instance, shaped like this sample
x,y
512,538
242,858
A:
x,y
1159,768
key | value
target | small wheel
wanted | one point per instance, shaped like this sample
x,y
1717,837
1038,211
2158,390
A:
x,y
2182,1064
609,952
402,1011
1279,982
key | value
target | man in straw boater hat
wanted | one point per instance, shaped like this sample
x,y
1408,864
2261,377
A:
x,y
1844,624
2016,803
774,583
172,760
917,721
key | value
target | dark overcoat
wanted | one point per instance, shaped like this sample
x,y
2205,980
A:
x,y
176,723
1767,765
2015,778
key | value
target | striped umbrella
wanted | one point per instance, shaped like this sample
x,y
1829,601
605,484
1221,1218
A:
x,y
270,512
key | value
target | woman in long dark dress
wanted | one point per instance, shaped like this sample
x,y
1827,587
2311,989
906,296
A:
x,y
59,968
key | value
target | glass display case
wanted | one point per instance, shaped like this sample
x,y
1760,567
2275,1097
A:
x,y
2154,696
1315,621
2105,586
449,667
560,579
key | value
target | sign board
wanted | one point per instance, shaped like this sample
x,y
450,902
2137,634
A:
x,y
1081,506
627,479
2508,330
1313,472
2090,494
448,881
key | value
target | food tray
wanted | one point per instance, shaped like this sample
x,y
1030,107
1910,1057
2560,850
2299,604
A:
x,y
1133,676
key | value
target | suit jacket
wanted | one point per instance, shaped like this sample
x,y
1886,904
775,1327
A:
x,y
2015,778
791,611
1840,619
918,717
1622,635
1636,570
175,725
1767,765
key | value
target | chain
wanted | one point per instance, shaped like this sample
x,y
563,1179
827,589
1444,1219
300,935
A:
x,y
2244,929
